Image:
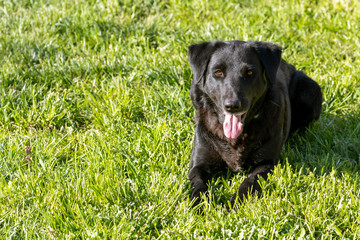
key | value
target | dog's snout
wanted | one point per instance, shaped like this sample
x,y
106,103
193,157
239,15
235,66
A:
x,y
232,106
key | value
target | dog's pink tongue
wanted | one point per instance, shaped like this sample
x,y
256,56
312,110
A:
x,y
232,126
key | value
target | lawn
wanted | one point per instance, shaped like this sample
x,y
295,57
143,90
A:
x,y
96,122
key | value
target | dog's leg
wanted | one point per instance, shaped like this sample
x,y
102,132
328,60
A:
x,y
198,179
203,164
251,184
306,99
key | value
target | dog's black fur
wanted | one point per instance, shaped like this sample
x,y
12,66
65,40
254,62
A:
x,y
270,98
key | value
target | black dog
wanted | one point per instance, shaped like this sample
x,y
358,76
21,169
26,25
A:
x,y
248,100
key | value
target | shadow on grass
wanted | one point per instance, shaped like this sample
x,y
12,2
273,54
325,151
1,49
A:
x,y
331,143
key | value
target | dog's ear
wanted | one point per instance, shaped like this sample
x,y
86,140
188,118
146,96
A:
x,y
199,57
270,57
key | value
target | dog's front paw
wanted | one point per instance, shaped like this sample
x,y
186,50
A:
x,y
196,195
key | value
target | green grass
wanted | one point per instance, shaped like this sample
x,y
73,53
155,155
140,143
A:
x,y
96,121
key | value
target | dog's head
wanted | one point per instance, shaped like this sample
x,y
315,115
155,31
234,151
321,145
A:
x,y
234,75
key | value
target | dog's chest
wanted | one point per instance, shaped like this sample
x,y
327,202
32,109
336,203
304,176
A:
x,y
233,161
237,155
234,157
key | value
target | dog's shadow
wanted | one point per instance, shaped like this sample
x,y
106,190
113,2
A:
x,y
331,143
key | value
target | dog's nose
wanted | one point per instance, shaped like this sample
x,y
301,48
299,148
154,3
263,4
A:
x,y
232,106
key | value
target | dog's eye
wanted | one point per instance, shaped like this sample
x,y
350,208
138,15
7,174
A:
x,y
218,73
249,73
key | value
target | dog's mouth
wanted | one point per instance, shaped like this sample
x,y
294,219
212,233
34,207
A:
x,y
233,124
